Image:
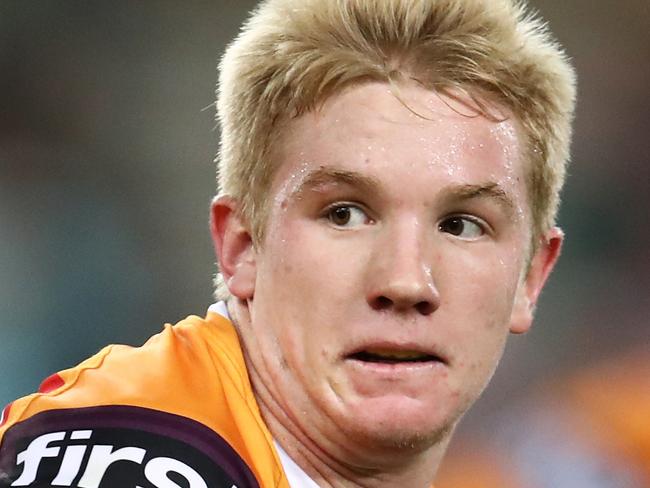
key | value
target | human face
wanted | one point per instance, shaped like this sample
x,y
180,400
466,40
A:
x,y
391,269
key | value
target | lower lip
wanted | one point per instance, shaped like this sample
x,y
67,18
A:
x,y
396,368
392,381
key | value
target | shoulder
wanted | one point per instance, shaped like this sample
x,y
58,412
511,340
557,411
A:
x,y
180,403
181,359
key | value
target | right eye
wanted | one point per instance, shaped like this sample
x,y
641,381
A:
x,y
346,216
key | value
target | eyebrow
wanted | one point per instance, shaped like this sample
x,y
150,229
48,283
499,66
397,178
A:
x,y
490,190
326,175
455,192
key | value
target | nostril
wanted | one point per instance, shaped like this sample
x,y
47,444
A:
x,y
382,303
425,307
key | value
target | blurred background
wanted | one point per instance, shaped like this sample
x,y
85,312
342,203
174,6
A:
x,y
107,140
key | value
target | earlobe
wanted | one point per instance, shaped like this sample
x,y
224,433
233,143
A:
x,y
541,265
233,246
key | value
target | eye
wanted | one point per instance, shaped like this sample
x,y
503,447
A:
x,y
345,215
462,227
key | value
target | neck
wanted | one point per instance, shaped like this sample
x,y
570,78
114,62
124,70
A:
x,y
335,460
338,466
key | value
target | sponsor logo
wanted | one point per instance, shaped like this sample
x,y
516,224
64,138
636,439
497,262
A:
x,y
104,450
101,457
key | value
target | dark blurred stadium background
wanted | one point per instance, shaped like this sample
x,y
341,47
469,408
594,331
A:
x,y
106,174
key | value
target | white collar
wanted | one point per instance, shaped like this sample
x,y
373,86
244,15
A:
x,y
220,308
295,475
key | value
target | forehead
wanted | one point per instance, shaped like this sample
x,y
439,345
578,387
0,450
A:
x,y
413,132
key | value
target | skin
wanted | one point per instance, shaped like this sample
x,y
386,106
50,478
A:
x,y
391,234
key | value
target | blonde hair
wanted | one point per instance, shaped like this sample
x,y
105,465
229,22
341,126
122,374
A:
x,y
293,54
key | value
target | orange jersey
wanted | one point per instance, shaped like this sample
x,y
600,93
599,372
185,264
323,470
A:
x,y
177,412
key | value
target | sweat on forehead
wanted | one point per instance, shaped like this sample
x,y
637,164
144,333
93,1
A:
x,y
438,119
327,179
445,128
351,142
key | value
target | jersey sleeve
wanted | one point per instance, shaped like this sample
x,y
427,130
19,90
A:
x,y
174,413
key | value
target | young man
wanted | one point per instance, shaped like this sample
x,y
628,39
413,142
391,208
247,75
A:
x,y
389,175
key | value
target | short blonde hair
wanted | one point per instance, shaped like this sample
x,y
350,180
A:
x,y
293,54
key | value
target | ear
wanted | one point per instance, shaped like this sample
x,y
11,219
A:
x,y
234,247
541,265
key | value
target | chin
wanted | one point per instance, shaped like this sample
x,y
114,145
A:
x,y
402,425
400,439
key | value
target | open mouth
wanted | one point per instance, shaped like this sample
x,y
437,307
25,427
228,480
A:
x,y
393,357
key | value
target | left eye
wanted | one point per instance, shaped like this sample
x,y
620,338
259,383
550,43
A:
x,y
462,227
347,216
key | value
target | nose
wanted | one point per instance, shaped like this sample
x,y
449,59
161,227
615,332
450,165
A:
x,y
400,273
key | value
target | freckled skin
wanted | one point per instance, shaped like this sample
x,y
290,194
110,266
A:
x,y
316,286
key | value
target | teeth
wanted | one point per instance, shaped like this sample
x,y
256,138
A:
x,y
396,354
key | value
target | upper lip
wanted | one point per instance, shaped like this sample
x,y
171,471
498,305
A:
x,y
398,348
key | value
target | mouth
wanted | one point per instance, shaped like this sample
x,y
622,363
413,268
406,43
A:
x,y
395,356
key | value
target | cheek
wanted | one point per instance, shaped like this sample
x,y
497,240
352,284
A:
x,y
282,257
298,283
481,316
484,287
321,261
477,370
